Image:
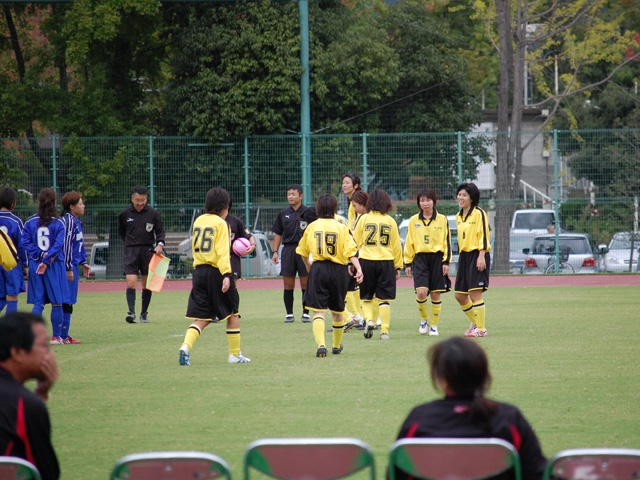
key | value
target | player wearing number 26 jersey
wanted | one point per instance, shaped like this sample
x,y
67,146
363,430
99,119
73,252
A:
x,y
213,294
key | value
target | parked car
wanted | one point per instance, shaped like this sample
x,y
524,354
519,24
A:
x,y
451,219
518,243
532,221
578,254
257,264
621,252
98,260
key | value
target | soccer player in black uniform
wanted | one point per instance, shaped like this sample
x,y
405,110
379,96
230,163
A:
x,y
213,294
289,227
474,262
427,253
237,229
142,232
332,246
25,428
460,369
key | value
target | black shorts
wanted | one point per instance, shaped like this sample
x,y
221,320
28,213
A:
x,y
291,263
206,300
469,277
327,286
427,273
236,266
136,259
379,280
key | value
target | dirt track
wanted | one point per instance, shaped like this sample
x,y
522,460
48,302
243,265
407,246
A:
x,y
602,280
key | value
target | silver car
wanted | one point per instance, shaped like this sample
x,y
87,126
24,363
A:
x,y
620,253
577,254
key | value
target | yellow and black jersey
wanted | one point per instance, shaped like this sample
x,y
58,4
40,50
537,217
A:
x,y
428,235
327,239
473,230
352,217
210,243
378,239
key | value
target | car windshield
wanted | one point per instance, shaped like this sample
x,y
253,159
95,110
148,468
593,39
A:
x,y
574,246
533,220
622,241
517,244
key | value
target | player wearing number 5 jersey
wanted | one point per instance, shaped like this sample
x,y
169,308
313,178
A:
x,y
381,258
427,253
43,239
213,294
331,246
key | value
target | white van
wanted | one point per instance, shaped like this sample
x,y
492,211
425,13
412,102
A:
x,y
532,220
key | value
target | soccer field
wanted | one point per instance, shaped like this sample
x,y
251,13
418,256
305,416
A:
x,y
568,357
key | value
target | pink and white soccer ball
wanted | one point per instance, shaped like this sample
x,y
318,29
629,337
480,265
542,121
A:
x,y
241,246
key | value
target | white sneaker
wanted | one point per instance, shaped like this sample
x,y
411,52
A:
x,y
184,356
357,318
368,329
472,327
384,336
424,327
433,332
238,358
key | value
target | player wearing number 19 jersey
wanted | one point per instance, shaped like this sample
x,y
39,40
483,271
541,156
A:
x,y
213,293
331,246
381,258
43,240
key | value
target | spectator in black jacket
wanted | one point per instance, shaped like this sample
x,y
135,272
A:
x,y
25,354
460,369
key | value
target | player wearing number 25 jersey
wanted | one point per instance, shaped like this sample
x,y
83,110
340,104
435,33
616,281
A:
x,y
381,258
43,240
213,294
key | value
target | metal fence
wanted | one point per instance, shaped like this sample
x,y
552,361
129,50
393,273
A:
x,y
591,177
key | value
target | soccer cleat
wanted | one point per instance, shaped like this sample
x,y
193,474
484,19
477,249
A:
x,y
184,357
348,326
369,328
433,332
360,325
289,319
321,352
336,351
56,341
71,341
357,318
131,317
306,318
238,358
476,332
384,336
144,318
424,327
471,328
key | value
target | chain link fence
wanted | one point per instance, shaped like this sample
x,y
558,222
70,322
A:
x,y
591,178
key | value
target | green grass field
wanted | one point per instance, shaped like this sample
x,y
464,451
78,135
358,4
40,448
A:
x,y
568,357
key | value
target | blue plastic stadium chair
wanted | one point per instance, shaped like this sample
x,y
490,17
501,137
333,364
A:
x,y
594,464
18,469
170,466
308,458
453,458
